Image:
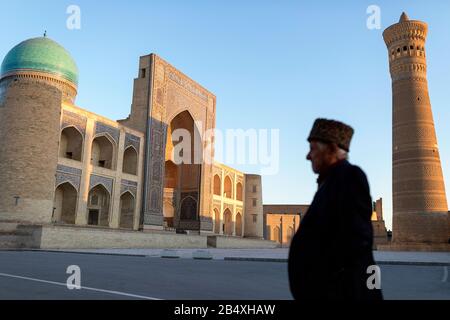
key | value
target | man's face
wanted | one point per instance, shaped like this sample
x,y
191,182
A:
x,y
320,156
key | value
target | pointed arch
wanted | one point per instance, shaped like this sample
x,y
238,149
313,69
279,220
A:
x,y
217,185
238,225
228,187
99,206
239,191
127,210
227,222
103,151
71,143
188,208
69,182
276,235
65,203
183,169
130,160
217,221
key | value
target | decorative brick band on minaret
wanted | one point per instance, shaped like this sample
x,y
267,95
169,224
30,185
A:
x,y
420,212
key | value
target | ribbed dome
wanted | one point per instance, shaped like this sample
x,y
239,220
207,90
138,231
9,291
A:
x,y
42,55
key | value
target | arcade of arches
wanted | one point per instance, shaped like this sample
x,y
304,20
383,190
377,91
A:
x,y
282,221
97,145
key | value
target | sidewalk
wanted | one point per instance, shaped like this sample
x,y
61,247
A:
x,y
269,255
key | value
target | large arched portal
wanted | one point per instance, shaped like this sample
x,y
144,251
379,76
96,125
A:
x,y
65,204
182,173
127,205
98,206
71,144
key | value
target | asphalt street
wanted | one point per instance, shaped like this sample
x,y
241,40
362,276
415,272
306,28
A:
x,y
42,275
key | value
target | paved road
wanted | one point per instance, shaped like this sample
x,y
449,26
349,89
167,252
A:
x,y
42,275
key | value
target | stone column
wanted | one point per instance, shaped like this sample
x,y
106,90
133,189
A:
x,y
83,194
115,197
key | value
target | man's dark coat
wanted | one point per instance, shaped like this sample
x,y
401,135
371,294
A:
x,y
331,251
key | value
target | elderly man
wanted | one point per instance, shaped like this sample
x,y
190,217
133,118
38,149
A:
x,y
332,250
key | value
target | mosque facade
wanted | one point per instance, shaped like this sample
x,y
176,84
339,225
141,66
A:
x,y
64,165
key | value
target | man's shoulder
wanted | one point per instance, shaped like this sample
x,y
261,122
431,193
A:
x,y
351,170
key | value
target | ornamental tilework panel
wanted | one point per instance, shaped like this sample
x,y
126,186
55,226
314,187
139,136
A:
x,y
132,140
106,182
68,174
127,185
73,119
103,128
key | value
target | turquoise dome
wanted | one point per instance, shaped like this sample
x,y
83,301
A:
x,y
41,54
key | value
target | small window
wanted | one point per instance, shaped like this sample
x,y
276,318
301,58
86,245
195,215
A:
x,y
254,202
69,155
101,163
254,188
255,218
411,47
143,72
398,49
405,48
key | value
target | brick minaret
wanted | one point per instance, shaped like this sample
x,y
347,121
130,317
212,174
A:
x,y
420,212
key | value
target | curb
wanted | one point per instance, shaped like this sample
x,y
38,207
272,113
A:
x,y
76,252
414,263
282,260
255,259
395,263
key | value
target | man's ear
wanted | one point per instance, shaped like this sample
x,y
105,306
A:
x,y
333,147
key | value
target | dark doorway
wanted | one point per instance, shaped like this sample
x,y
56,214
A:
x,y
93,217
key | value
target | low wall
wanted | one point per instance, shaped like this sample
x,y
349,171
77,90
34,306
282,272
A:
x,y
64,237
416,247
224,242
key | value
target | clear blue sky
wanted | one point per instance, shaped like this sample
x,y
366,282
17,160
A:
x,y
271,64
